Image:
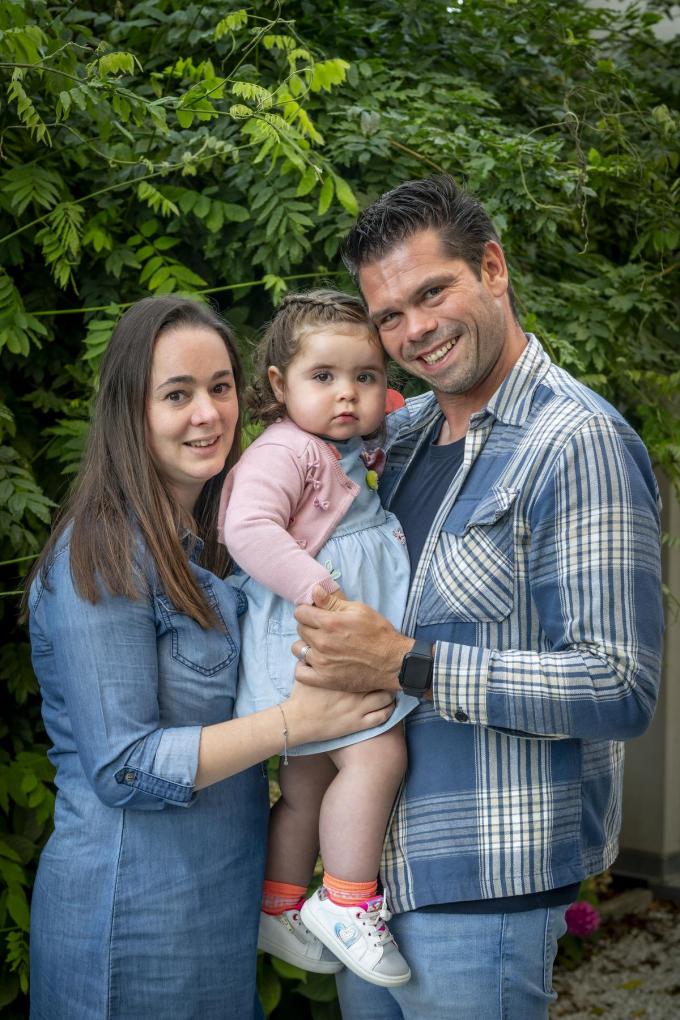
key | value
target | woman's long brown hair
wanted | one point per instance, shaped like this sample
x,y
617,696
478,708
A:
x,y
119,497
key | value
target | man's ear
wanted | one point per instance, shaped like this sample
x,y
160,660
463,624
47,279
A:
x,y
494,269
276,382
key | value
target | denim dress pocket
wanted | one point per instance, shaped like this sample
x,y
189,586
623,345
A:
x,y
281,633
472,573
206,651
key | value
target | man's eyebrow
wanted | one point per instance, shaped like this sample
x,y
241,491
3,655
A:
x,y
440,280
173,379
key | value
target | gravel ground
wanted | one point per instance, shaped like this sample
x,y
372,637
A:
x,y
632,970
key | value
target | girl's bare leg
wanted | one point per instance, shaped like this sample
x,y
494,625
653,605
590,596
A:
x,y
294,820
357,804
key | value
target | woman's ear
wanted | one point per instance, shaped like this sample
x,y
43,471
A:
x,y
276,381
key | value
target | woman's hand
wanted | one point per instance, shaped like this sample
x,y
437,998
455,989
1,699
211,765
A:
x,y
315,713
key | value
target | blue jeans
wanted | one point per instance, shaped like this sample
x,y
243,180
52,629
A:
x,y
465,967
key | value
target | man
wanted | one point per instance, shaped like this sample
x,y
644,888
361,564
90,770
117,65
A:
x,y
530,512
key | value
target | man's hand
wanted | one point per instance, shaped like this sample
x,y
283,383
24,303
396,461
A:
x,y
351,647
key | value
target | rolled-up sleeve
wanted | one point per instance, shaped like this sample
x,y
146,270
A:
x,y
105,667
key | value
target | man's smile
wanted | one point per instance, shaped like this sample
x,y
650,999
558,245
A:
x,y
439,352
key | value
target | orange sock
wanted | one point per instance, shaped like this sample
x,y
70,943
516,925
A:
x,y
348,894
280,896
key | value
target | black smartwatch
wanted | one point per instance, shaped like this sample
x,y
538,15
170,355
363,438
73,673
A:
x,y
415,675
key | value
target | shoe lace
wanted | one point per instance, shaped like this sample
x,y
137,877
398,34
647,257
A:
x,y
295,917
385,912
372,918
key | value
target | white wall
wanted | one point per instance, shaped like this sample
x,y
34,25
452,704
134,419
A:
x,y
650,837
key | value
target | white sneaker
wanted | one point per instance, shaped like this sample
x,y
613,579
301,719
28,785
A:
x,y
359,937
285,936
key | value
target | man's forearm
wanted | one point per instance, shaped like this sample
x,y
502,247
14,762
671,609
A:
x,y
576,692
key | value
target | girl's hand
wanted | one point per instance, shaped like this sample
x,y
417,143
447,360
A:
x,y
315,713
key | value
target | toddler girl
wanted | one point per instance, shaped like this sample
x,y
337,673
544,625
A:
x,y
299,509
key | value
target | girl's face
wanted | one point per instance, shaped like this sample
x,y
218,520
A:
x,y
191,409
335,385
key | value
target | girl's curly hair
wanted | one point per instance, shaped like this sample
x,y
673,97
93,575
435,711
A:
x,y
297,315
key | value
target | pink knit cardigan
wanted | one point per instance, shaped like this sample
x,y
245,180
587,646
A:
x,y
279,505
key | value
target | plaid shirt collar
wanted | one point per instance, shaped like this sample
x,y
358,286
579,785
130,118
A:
x,y
511,403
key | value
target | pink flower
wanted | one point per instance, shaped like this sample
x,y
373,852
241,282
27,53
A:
x,y
375,460
582,919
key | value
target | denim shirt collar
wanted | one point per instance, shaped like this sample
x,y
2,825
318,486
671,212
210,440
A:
x,y
192,544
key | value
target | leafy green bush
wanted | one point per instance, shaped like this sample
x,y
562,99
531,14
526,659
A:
x,y
224,151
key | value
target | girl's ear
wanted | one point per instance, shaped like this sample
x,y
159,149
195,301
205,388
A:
x,y
276,382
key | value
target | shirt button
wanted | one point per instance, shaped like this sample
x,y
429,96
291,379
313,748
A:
x,y
130,777
461,716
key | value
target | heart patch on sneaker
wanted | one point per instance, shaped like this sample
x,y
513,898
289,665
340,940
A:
x,y
347,933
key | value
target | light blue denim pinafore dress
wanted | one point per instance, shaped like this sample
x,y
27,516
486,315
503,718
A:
x,y
367,556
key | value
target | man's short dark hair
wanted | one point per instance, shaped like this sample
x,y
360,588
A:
x,y
436,203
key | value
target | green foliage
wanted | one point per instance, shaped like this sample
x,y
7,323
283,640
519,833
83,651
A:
x,y
24,504
288,993
224,150
26,806
17,329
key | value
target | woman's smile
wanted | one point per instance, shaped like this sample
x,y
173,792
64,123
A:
x,y
208,443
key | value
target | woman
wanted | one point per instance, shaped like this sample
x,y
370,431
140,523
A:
x,y
146,900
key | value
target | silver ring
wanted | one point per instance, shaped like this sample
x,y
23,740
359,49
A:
x,y
303,653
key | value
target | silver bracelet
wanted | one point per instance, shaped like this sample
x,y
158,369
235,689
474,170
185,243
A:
x,y
285,735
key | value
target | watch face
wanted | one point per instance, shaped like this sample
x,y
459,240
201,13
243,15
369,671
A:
x,y
415,676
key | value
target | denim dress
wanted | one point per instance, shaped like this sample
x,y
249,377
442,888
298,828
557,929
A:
x,y
367,556
146,901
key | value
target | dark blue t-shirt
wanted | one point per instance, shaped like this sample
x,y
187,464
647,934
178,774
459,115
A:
x,y
422,490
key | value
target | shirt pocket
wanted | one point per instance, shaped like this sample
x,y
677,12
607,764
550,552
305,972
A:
x,y
472,574
205,651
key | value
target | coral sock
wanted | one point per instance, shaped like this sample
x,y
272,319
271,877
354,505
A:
x,y
280,896
348,894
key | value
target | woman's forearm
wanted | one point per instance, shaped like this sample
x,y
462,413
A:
x,y
310,713
230,747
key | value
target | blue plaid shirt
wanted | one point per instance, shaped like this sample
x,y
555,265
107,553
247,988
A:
x,y
539,586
